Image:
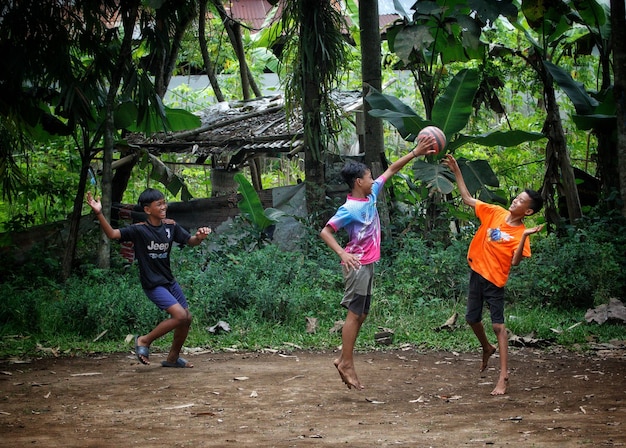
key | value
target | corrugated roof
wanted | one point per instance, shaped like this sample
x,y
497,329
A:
x,y
254,13
251,12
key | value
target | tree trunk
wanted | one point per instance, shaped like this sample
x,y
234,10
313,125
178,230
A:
x,y
172,57
313,163
557,157
208,65
373,136
607,169
618,29
119,182
223,182
255,173
233,29
235,34
129,18
181,17
104,248
72,239
374,145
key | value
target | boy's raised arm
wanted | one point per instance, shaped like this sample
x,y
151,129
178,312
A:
x,y
96,206
425,147
452,164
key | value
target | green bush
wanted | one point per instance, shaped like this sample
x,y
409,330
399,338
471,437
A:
x,y
276,285
419,273
567,272
267,293
102,301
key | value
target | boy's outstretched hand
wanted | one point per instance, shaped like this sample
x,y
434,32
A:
x,y
426,146
95,204
533,230
203,232
451,163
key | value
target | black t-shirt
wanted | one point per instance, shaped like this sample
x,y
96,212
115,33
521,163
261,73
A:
x,y
153,245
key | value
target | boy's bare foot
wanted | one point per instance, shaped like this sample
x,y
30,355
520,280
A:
x,y
486,355
348,376
500,388
343,378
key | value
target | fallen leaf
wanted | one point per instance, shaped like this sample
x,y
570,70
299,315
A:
x,y
511,419
220,326
198,414
180,406
449,324
100,335
337,327
311,324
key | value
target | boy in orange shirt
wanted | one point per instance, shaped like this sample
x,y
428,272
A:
x,y
499,243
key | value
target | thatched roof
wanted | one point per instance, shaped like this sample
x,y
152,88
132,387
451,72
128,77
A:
x,y
232,133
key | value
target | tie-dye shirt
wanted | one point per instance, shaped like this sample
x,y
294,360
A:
x,y
359,216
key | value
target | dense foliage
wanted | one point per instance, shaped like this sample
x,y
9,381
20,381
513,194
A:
x,y
267,293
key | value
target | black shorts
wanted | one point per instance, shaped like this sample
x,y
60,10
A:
x,y
483,291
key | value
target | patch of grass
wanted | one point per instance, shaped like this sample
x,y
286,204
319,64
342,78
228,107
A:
x,y
267,294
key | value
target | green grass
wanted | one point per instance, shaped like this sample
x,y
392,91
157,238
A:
x,y
265,296
248,333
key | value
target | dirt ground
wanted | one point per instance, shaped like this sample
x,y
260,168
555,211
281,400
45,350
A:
x,y
295,399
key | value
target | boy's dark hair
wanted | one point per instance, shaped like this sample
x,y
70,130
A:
x,y
148,196
536,201
352,171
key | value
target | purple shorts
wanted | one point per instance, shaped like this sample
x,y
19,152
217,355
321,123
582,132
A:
x,y
167,295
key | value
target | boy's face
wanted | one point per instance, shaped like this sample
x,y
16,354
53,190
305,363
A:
x,y
365,183
521,205
157,209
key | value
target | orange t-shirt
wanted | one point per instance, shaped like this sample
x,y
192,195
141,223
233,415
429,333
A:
x,y
491,250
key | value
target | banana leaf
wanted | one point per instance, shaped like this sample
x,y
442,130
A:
x,y
251,207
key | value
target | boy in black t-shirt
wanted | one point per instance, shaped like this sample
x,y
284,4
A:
x,y
152,242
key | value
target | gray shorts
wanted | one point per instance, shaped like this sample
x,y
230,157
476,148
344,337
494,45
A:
x,y
358,289
483,291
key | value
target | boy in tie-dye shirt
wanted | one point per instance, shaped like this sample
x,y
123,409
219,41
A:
x,y
359,217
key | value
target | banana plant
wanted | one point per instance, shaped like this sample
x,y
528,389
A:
x,y
451,113
251,208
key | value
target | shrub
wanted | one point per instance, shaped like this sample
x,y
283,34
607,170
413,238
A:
x,y
420,273
103,300
415,279
567,272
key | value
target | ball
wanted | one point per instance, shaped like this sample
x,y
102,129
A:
x,y
440,137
